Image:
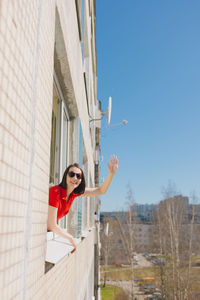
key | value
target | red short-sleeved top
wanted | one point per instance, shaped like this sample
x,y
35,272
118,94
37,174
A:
x,y
57,198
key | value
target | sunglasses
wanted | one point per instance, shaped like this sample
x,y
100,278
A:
x,y
72,174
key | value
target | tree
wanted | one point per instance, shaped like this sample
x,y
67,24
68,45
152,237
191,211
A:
x,y
175,231
105,246
126,222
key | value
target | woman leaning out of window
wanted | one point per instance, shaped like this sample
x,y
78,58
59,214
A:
x,y
72,185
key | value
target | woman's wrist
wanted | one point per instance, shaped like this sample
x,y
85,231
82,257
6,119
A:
x,y
111,173
70,238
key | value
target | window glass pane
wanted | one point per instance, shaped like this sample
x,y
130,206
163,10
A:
x,y
85,200
64,160
92,206
64,142
80,146
54,126
79,200
79,227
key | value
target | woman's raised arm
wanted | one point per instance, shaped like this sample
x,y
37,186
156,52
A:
x,y
102,189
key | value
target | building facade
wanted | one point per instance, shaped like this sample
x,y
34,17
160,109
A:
x,y
48,98
145,226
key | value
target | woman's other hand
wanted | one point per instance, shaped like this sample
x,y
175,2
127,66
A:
x,y
113,166
101,190
74,244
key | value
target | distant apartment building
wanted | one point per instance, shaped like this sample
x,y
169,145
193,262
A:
x,y
140,212
143,236
145,212
48,98
175,215
144,226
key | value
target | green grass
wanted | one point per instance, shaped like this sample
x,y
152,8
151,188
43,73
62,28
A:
x,y
117,273
195,258
124,273
109,292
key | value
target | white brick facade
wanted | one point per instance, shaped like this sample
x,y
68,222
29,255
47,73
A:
x,y
36,38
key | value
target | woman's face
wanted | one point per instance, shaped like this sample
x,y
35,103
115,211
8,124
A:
x,y
74,177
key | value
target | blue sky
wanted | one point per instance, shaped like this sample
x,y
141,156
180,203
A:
x,y
148,60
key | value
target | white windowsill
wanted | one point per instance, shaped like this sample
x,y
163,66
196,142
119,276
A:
x,y
84,234
58,248
50,235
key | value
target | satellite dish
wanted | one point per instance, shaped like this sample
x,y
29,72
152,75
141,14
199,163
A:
x,y
107,112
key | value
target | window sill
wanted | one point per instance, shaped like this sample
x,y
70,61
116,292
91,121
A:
x,y
57,248
86,232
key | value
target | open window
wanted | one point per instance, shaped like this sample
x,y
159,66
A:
x,y
58,163
66,148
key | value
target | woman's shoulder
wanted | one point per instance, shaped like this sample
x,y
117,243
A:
x,y
55,189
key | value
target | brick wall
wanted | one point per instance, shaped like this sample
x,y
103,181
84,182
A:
x,y
26,90
26,56
69,279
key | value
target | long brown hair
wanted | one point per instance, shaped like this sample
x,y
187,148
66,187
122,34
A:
x,y
81,188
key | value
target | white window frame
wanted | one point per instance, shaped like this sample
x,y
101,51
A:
x,y
57,160
63,112
58,247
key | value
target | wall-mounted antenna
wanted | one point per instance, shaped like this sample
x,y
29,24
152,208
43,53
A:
x,y
106,112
